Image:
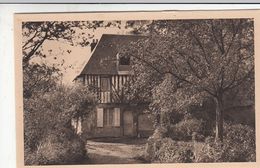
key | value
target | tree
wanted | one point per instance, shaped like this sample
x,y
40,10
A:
x,y
205,58
39,79
47,123
72,32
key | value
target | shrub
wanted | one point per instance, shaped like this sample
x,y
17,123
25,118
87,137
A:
x,y
56,149
30,157
154,143
166,150
174,152
241,142
185,129
238,146
47,125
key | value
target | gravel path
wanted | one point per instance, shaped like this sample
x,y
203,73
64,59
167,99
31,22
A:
x,y
125,151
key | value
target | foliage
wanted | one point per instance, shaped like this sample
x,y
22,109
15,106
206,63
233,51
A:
x,y
48,106
154,143
72,32
166,150
241,138
238,146
205,58
185,129
174,152
53,110
55,148
47,125
39,79
141,84
48,110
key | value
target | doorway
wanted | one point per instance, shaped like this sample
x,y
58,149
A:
x,y
128,123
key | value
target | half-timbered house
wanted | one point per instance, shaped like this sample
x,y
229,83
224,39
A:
x,y
108,73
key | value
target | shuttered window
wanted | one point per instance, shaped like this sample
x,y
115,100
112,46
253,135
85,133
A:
x,y
108,116
117,117
100,117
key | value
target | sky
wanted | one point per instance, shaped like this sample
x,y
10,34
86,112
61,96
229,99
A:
x,y
72,59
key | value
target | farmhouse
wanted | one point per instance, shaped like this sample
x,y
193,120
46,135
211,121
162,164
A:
x,y
108,73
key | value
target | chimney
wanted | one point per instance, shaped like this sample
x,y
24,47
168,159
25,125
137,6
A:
x,y
93,44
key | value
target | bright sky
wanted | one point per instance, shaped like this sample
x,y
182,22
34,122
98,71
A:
x,y
71,63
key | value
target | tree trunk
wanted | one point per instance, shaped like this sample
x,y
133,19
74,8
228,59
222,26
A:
x,y
219,118
77,125
162,119
137,125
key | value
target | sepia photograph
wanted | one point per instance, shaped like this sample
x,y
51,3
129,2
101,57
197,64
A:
x,y
129,89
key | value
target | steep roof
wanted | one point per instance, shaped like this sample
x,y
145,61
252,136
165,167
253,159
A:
x,y
104,57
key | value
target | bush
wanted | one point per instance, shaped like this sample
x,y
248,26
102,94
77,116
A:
x,y
48,134
154,143
185,129
174,152
238,146
166,150
241,142
58,149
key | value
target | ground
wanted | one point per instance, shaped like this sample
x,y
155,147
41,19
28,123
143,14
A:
x,y
115,150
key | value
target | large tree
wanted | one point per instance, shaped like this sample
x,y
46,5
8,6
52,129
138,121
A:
x,y
35,34
204,59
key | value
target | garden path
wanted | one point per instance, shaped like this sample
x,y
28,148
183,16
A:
x,y
115,150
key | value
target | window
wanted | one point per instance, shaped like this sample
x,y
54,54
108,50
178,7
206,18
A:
x,y
105,84
105,88
79,79
108,117
124,61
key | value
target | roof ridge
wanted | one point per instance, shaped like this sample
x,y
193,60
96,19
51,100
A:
x,y
91,53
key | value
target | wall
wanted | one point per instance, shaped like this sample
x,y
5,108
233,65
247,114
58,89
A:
x,y
117,83
142,123
90,129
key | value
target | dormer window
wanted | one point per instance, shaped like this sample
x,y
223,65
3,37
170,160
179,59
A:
x,y
123,64
124,61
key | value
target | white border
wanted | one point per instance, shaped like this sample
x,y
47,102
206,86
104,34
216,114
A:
x,y
130,1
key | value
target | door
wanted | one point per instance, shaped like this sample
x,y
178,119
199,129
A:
x,y
128,123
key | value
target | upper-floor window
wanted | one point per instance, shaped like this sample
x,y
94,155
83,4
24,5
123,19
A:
x,y
105,84
124,61
123,64
105,88
80,80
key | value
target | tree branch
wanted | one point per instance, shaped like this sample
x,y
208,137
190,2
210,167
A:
x,y
193,70
200,45
238,82
31,39
215,38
